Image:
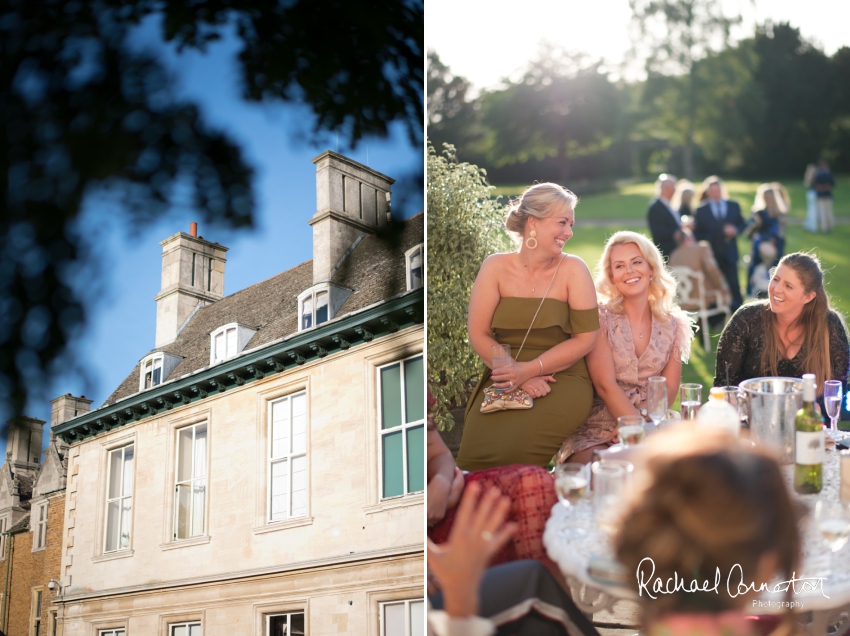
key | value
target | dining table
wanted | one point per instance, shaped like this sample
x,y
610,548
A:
x,y
574,540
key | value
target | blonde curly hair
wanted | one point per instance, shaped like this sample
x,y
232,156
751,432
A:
x,y
662,286
541,201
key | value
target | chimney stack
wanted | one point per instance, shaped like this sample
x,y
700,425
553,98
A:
x,y
67,407
23,447
351,199
192,274
193,229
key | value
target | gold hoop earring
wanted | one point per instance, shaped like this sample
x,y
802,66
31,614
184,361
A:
x,y
530,239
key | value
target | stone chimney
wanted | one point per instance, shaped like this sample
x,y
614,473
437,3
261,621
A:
x,y
351,199
23,448
67,407
192,275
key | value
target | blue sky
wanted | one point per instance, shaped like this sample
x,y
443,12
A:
x,y
122,310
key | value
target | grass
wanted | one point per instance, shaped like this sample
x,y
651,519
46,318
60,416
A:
x,y
629,202
629,205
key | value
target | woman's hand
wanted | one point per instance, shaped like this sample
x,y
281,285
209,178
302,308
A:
x,y
439,489
538,387
456,490
517,374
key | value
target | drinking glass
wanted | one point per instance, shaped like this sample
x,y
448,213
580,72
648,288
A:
x,y
833,521
656,399
631,430
690,399
832,401
571,481
609,481
501,359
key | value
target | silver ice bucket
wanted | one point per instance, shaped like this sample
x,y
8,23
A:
x,y
770,406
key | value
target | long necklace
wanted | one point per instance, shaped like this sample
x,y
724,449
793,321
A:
x,y
640,333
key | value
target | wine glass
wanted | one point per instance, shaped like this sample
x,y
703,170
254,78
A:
x,y
656,399
571,481
630,429
609,482
501,359
690,400
832,402
833,521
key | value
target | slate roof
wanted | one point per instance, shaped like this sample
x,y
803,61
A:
x,y
21,526
374,271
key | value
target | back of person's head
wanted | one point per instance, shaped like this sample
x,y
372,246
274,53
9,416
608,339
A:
x,y
541,201
769,197
705,503
812,321
662,285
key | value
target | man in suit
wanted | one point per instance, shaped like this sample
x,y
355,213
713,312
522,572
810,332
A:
x,y
665,224
719,222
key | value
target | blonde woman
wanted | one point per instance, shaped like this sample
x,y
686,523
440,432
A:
x,y
767,225
507,297
642,335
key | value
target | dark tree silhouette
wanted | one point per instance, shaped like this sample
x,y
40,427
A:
x,y
80,113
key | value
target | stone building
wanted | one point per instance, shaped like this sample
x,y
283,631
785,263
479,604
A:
x,y
261,471
32,510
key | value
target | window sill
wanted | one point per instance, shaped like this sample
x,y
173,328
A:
x,y
415,499
110,556
274,526
41,549
185,543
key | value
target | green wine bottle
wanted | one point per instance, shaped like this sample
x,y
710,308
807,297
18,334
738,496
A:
x,y
808,467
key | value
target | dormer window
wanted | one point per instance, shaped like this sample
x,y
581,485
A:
x,y
319,304
155,369
228,341
413,266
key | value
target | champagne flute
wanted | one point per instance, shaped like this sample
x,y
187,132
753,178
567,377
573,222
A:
x,y
832,402
690,400
501,359
656,399
609,481
630,430
571,481
833,521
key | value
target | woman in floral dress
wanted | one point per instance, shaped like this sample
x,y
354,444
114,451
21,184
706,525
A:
x,y
641,335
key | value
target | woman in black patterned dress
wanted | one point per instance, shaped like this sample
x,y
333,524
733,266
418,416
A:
x,y
791,333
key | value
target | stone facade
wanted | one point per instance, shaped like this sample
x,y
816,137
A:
x,y
228,559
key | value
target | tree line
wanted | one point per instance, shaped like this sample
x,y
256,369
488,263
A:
x,y
761,108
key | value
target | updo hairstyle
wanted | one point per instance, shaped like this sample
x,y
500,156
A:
x,y
702,502
541,201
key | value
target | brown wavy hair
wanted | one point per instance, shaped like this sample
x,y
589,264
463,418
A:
x,y
813,321
706,502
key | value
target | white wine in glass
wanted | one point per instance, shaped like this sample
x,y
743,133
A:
x,y
656,399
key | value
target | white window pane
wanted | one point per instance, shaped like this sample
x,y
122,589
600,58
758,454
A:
x,y
199,494
231,343
157,372
280,429
299,486
299,404
200,458
417,618
179,630
127,488
280,490
184,454
126,510
194,630
394,620
183,511
307,313
113,514
115,473
299,423
321,307
219,347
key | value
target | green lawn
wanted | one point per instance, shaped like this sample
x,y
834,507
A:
x,y
629,204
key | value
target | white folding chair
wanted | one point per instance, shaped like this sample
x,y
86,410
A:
x,y
687,279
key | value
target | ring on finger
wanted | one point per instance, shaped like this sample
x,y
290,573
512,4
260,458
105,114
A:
x,y
486,535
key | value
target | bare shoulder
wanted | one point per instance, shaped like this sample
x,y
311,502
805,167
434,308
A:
x,y
575,266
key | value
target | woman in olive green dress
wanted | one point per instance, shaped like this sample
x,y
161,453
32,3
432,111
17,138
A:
x,y
506,295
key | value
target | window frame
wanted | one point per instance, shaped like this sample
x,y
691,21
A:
x,y
312,294
152,360
271,460
268,617
403,427
4,522
177,482
37,600
408,258
382,626
38,515
171,626
115,631
121,497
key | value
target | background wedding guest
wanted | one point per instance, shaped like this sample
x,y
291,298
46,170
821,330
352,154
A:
x,y
683,198
719,222
541,300
824,183
794,331
642,334
705,503
697,255
767,225
665,224
811,222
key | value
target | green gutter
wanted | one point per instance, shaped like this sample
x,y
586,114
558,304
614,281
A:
x,y
388,317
